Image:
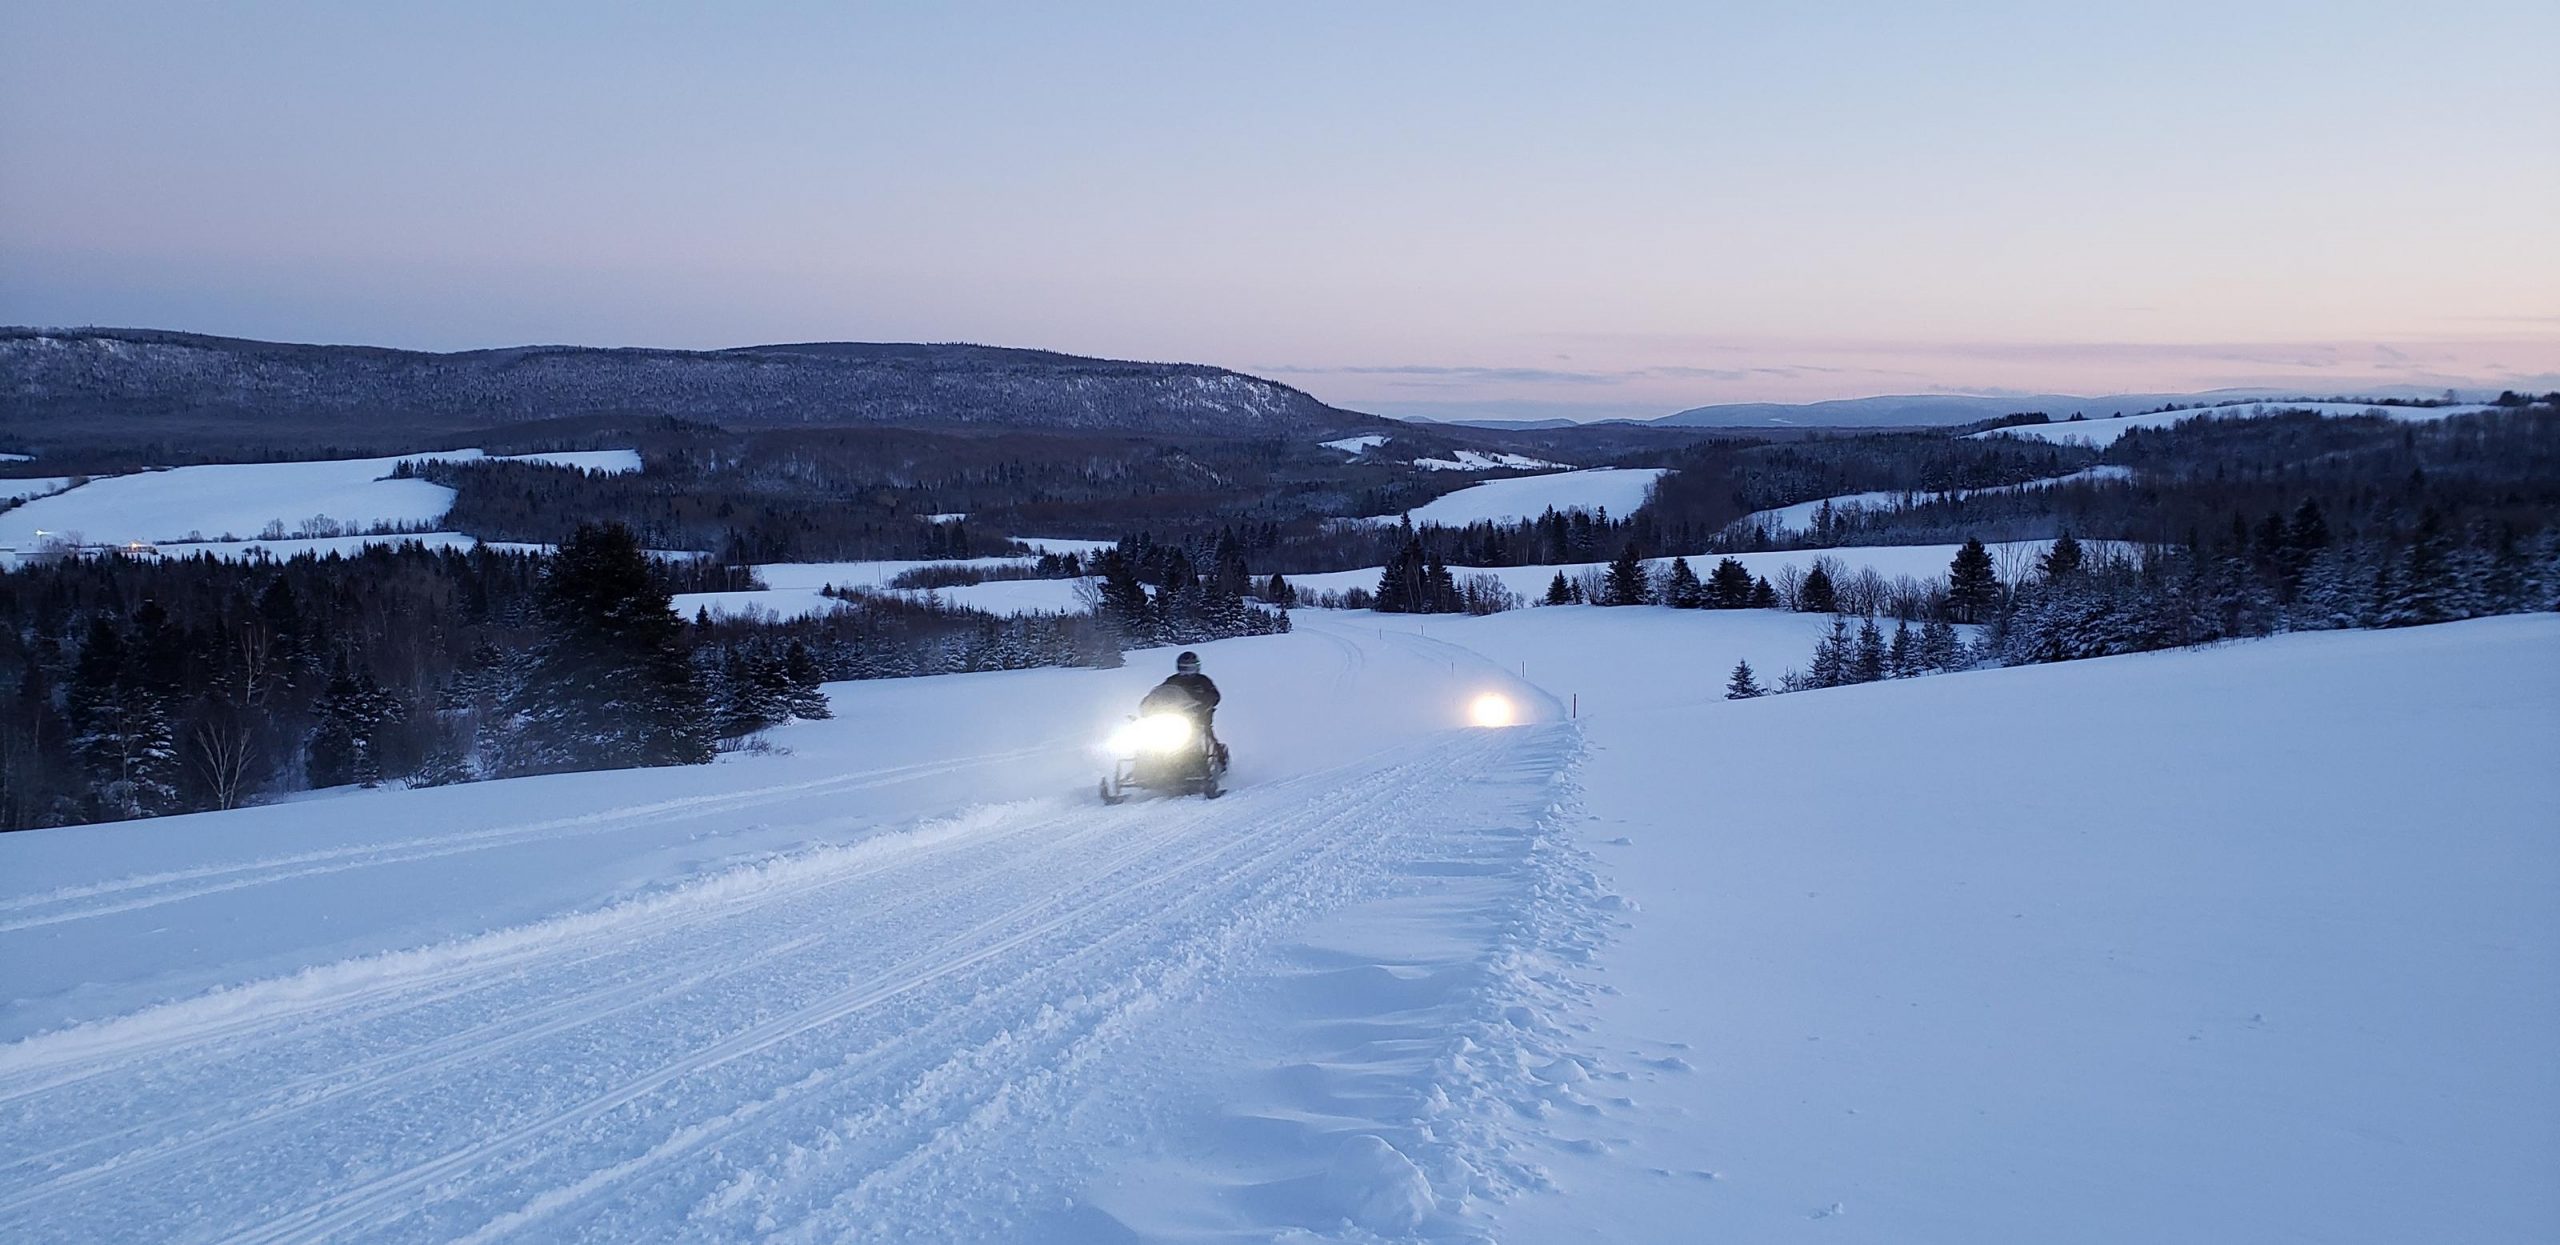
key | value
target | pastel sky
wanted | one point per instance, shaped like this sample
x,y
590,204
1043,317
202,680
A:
x,y
1580,210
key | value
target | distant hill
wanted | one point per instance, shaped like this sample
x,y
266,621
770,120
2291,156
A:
x,y
1927,410
146,383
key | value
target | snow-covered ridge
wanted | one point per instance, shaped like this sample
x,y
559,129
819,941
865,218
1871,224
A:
x,y
2101,433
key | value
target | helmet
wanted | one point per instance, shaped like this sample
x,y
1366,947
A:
x,y
1188,663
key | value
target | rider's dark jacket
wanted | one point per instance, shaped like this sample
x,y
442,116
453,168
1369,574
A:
x,y
1188,693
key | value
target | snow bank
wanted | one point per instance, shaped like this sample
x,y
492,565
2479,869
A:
x,y
2101,433
1619,490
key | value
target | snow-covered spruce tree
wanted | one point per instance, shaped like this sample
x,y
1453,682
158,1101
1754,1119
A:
x,y
1940,649
2062,559
1730,586
1901,658
611,684
1743,686
1867,661
1973,586
121,733
1627,584
1831,656
1680,588
354,712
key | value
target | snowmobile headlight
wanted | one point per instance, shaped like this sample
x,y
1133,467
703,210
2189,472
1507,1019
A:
x,y
1493,709
1156,732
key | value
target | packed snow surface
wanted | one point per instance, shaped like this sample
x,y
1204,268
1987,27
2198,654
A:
x,y
222,501
1357,445
1619,490
2101,433
2274,961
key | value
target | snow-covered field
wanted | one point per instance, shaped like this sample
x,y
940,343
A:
x,y
32,486
1480,460
2241,944
238,500
1619,490
1799,517
1356,446
2101,433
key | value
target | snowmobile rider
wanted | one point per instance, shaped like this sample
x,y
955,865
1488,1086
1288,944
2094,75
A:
x,y
1191,694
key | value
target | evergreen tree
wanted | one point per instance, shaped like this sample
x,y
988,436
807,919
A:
x,y
1764,595
1973,586
1559,591
1626,584
1730,586
611,683
1742,686
121,733
1901,660
1939,648
1832,655
1817,595
1867,662
1681,589
2063,559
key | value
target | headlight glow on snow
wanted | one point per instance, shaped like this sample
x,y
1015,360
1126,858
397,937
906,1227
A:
x,y
1493,709
1156,732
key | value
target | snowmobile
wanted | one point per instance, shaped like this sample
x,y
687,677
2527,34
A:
x,y
1166,753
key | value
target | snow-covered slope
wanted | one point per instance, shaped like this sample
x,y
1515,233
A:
x,y
225,501
1799,517
2101,433
2251,943
1482,460
1620,490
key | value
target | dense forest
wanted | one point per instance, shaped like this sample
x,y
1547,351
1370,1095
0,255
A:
x,y
134,687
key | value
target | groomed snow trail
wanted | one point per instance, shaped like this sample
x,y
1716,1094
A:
x,y
885,1039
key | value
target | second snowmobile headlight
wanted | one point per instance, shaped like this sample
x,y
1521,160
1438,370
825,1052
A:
x,y
1156,732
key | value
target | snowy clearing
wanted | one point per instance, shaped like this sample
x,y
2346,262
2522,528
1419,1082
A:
x,y
2101,433
2274,962
228,501
1799,517
1619,490
33,486
1478,460
1356,446
1063,545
